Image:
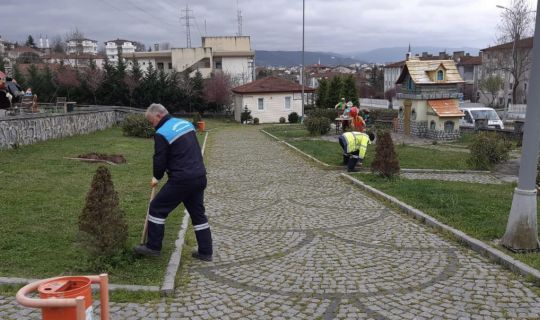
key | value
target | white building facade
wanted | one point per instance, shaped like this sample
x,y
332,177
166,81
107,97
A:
x,y
118,47
78,46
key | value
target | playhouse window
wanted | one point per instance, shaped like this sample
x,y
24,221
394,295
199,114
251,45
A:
x,y
432,125
449,126
413,115
440,75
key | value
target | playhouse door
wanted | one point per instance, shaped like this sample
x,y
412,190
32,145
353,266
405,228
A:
x,y
407,117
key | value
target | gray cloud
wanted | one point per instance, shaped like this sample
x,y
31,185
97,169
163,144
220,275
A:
x,y
331,25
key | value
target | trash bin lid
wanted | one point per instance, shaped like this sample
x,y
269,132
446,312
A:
x,y
64,287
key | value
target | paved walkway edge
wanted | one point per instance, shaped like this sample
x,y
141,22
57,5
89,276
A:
x,y
176,257
442,171
298,150
475,244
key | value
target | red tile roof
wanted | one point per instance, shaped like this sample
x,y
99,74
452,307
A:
x,y
470,61
445,108
526,43
271,84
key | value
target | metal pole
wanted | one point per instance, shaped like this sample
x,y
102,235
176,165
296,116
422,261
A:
x,y
302,70
521,230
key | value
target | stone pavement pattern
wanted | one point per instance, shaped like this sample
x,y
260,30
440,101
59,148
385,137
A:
x,y
293,241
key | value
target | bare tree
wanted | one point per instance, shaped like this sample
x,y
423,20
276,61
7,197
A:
x,y
490,87
132,83
217,89
94,79
67,77
517,23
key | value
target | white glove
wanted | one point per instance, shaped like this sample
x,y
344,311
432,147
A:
x,y
154,182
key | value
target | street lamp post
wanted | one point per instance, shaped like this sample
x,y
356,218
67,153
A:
x,y
521,230
303,34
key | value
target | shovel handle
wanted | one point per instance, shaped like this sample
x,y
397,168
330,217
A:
x,y
145,229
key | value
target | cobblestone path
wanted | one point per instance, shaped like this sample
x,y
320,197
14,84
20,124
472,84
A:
x,y
293,241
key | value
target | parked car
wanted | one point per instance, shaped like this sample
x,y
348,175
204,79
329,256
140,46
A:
x,y
474,113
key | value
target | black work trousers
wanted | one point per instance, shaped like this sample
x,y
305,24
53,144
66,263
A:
x,y
189,192
349,159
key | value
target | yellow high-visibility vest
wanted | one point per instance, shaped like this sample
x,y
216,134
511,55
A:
x,y
357,141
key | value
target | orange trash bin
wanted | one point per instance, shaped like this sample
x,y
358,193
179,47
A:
x,y
201,125
66,287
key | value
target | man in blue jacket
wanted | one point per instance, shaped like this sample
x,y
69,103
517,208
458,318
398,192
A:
x,y
178,153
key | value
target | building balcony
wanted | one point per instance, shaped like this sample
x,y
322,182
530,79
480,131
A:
x,y
422,95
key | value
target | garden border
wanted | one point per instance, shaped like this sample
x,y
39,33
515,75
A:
x,y
484,249
167,288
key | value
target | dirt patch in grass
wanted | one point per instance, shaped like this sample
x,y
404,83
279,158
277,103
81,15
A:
x,y
101,157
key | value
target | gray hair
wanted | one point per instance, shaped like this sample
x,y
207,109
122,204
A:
x,y
155,109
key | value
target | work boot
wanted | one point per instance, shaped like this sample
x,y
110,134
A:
x,y
143,250
204,257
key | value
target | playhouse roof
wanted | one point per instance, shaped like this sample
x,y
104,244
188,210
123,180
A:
x,y
420,71
445,108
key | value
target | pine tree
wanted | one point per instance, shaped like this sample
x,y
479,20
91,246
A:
x,y
335,91
386,162
30,42
103,230
322,94
198,95
349,89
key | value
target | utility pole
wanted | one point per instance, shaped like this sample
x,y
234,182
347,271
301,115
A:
x,y
521,230
186,15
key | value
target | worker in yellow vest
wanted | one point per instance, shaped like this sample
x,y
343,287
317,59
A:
x,y
354,146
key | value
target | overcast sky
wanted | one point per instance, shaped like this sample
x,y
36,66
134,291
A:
x,y
331,25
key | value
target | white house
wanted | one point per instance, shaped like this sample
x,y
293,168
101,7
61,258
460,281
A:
x,y
78,46
117,47
269,99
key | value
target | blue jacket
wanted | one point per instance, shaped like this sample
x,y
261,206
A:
x,y
177,151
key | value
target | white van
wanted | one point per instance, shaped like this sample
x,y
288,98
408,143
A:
x,y
473,113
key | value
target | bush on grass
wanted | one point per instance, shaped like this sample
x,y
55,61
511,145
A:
x,y
282,120
136,125
103,231
317,125
293,117
386,161
256,121
330,114
488,149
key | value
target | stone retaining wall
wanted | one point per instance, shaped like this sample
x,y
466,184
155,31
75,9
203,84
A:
x,y
28,129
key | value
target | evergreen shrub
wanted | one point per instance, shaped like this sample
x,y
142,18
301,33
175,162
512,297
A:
x,y
386,161
488,149
136,125
293,117
317,125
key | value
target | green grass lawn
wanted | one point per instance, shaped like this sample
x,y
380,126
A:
x,y
479,210
409,157
288,131
42,194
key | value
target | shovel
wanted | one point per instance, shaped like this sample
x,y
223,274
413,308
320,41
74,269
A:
x,y
145,229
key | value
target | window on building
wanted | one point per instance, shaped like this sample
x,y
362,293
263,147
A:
x,y
160,65
287,103
440,75
449,126
144,63
170,65
413,115
432,125
219,65
260,104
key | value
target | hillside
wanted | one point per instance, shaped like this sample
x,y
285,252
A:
x,y
294,58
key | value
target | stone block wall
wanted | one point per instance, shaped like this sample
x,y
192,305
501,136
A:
x,y
442,135
28,129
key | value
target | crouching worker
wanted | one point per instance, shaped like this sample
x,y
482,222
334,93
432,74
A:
x,y
354,145
178,153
